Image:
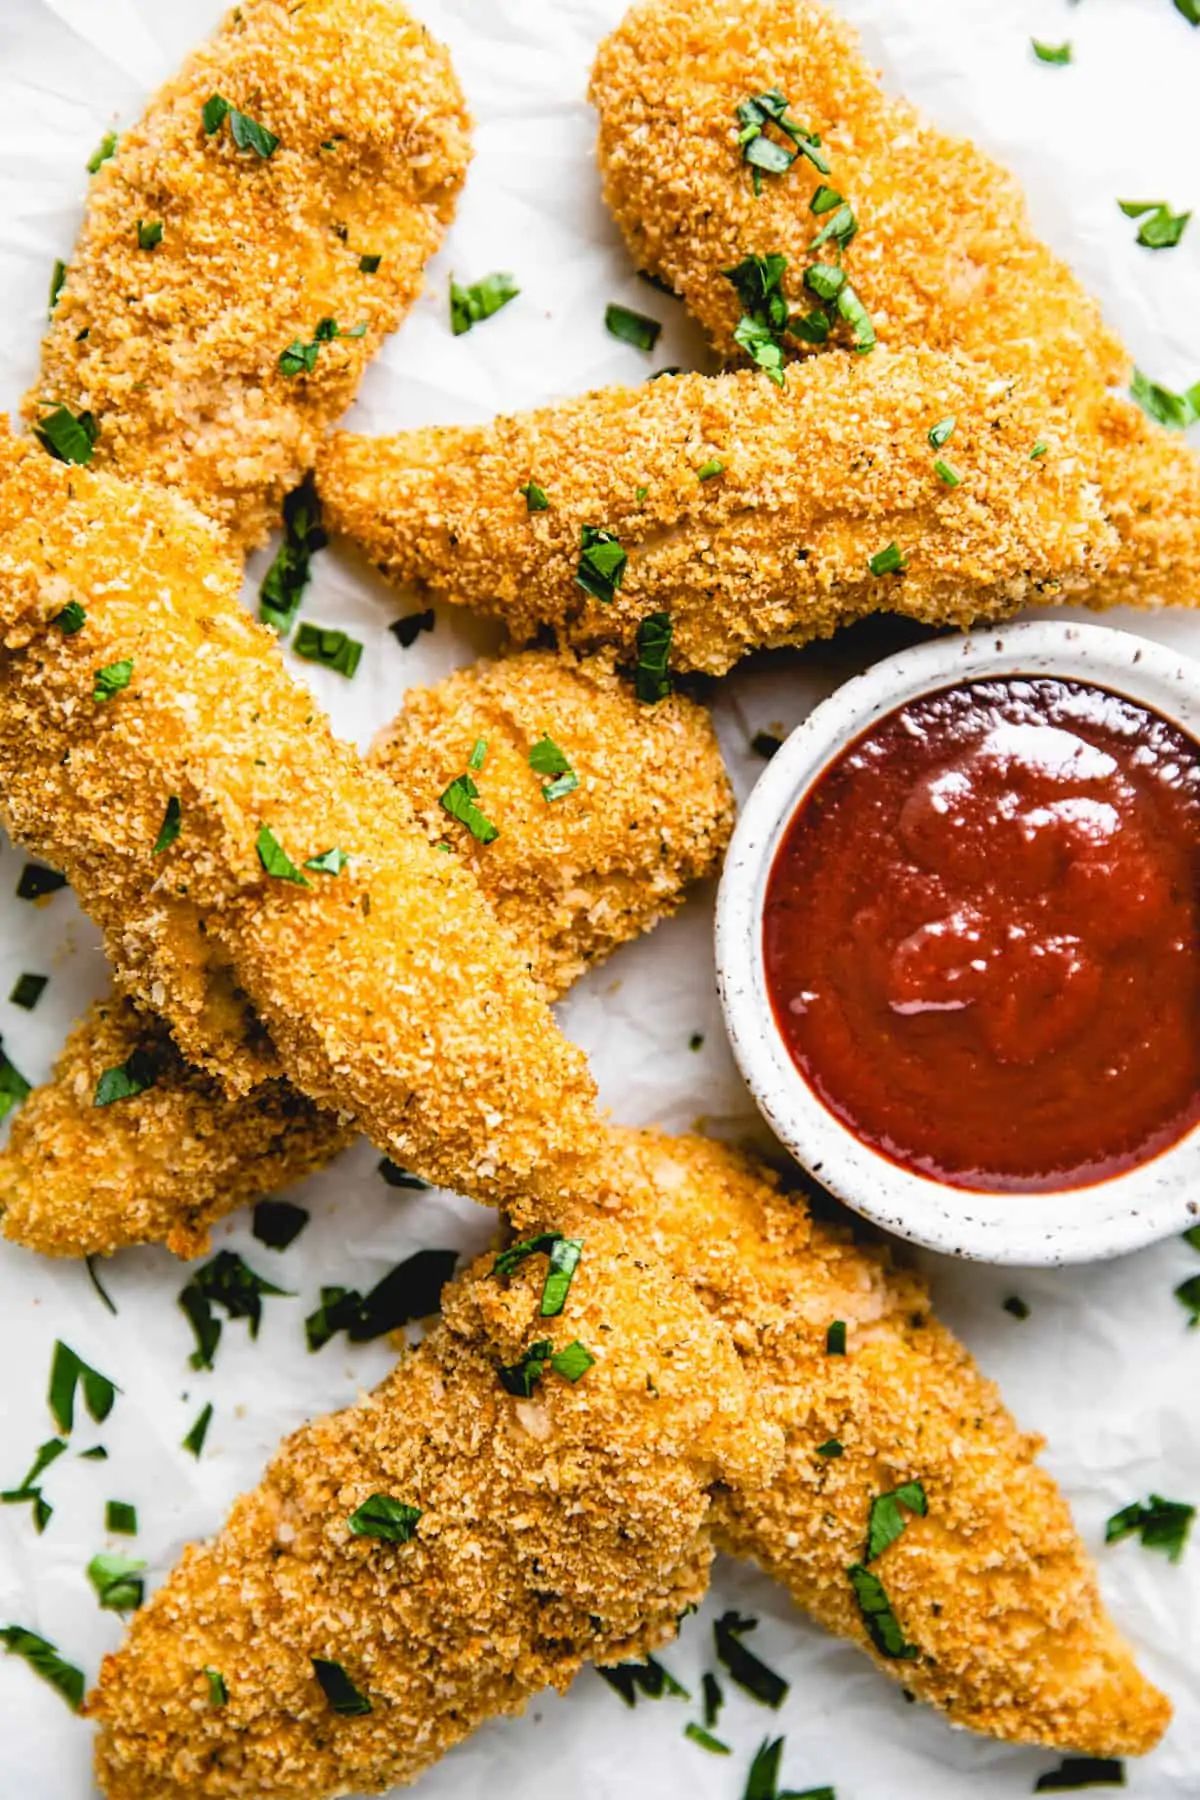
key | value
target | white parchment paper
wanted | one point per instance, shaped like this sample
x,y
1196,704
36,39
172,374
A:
x,y
1104,1365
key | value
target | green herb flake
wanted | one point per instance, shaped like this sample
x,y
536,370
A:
x,y
396,1177
765,744
57,277
602,563
945,473
278,1223
1160,228
1175,411
149,234
27,991
535,497
275,860
765,155
331,648
104,149
713,467
459,801
835,1338
68,438
562,1254
1189,9
301,359
705,1739
330,862
1188,1295
112,679
1039,450
369,265
1058,54
169,830
412,1290
1018,1308
1161,1525
218,1693
696,1041
139,1071
194,1441
631,327
862,331
408,629
339,1690
832,1447
395,1521
648,1678
878,1617
121,1517
29,1491
247,133
1192,1236
117,1581
825,280
759,1681
283,585
941,433
229,1282
547,758
68,1372
97,1453
713,1698
758,283
887,1521
838,229
651,679
71,619
888,561
42,1657
1075,1772
469,306
572,1362
824,200
89,1263
36,882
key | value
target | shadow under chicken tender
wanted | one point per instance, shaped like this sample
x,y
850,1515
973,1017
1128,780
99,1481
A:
x,y
748,513
203,260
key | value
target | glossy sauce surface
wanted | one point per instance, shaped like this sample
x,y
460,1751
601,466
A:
x,y
981,935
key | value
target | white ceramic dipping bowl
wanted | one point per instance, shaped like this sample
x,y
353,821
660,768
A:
x,y
1123,1213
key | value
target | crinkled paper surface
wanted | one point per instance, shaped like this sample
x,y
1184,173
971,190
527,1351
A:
x,y
1104,1365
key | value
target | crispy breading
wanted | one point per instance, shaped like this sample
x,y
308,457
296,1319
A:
x,y
944,254
773,548
175,349
567,1527
388,991
568,880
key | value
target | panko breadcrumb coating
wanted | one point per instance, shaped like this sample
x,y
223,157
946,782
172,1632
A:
x,y
587,1500
388,991
174,349
944,254
568,879
567,1527
772,545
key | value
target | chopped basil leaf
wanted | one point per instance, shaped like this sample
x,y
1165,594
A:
x,y
602,563
459,801
714,1699
218,1693
1051,53
941,433
275,859
1039,450
1082,1771
478,754
139,1071
339,1690
89,1263
705,1739
889,561
950,476
168,831
382,1517
331,648
194,1441
572,1362
1176,411
1160,1524
149,234
368,265
44,1658
214,113
229,1282
760,1682
284,583
761,345
248,134
824,200
825,280
301,359
47,1453
412,1290
407,630
117,1581
112,679
648,1678
1190,10
878,1617
28,990
471,305
887,1522
631,327
563,1256
1188,1295
120,1516
330,862
758,283
68,438
37,881
1160,228
651,679
835,1338
839,228
535,497
765,744
67,1372
706,471
762,1782
812,328
639,494
546,758
764,154
97,1453
831,1447
397,1177
57,277
522,1377
1016,1306
71,619
1192,1236
862,331
102,152
278,1223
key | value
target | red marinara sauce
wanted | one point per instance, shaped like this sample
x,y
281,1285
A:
x,y
981,935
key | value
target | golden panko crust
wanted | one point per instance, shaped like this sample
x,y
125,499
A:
x,y
388,991
568,880
175,349
554,1530
774,547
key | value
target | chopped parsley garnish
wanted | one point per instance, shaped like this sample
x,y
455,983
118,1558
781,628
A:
x,y
218,1693
149,233
459,801
104,149
37,881
396,1177
120,1516
714,466
412,1290
705,1739
382,1517
112,679
57,277
284,583
28,990
369,265
713,1698
888,561
878,1617
194,1441
229,1282
835,1338
331,648
471,305
97,1453
278,1223
301,359
825,280
117,1580
1188,1295
839,228
168,831
535,497
1016,1306
13,1086
1039,450
339,1690
29,1489
478,754
1081,1771
762,1782
1051,53
831,1447
407,630
824,200
887,1522
45,1660
573,1361
631,327
522,1377
862,331
651,680
275,859
648,1678
248,134
69,438
547,758
767,155
139,1071
760,1682
1160,1524
758,283
765,744
602,563
941,433
67,1373
1160,228
330,862
71,619
945,473
562,1254
1176,411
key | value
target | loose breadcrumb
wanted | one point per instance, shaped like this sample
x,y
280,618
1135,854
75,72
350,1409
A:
x,y
816,479
175,349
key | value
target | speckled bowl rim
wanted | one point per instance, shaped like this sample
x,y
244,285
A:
x,y
1106,1219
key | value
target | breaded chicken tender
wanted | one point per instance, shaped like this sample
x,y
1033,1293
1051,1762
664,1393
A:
x,y
941,251
587,1500
376,977
204,260
568,879
547,1531
748,513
